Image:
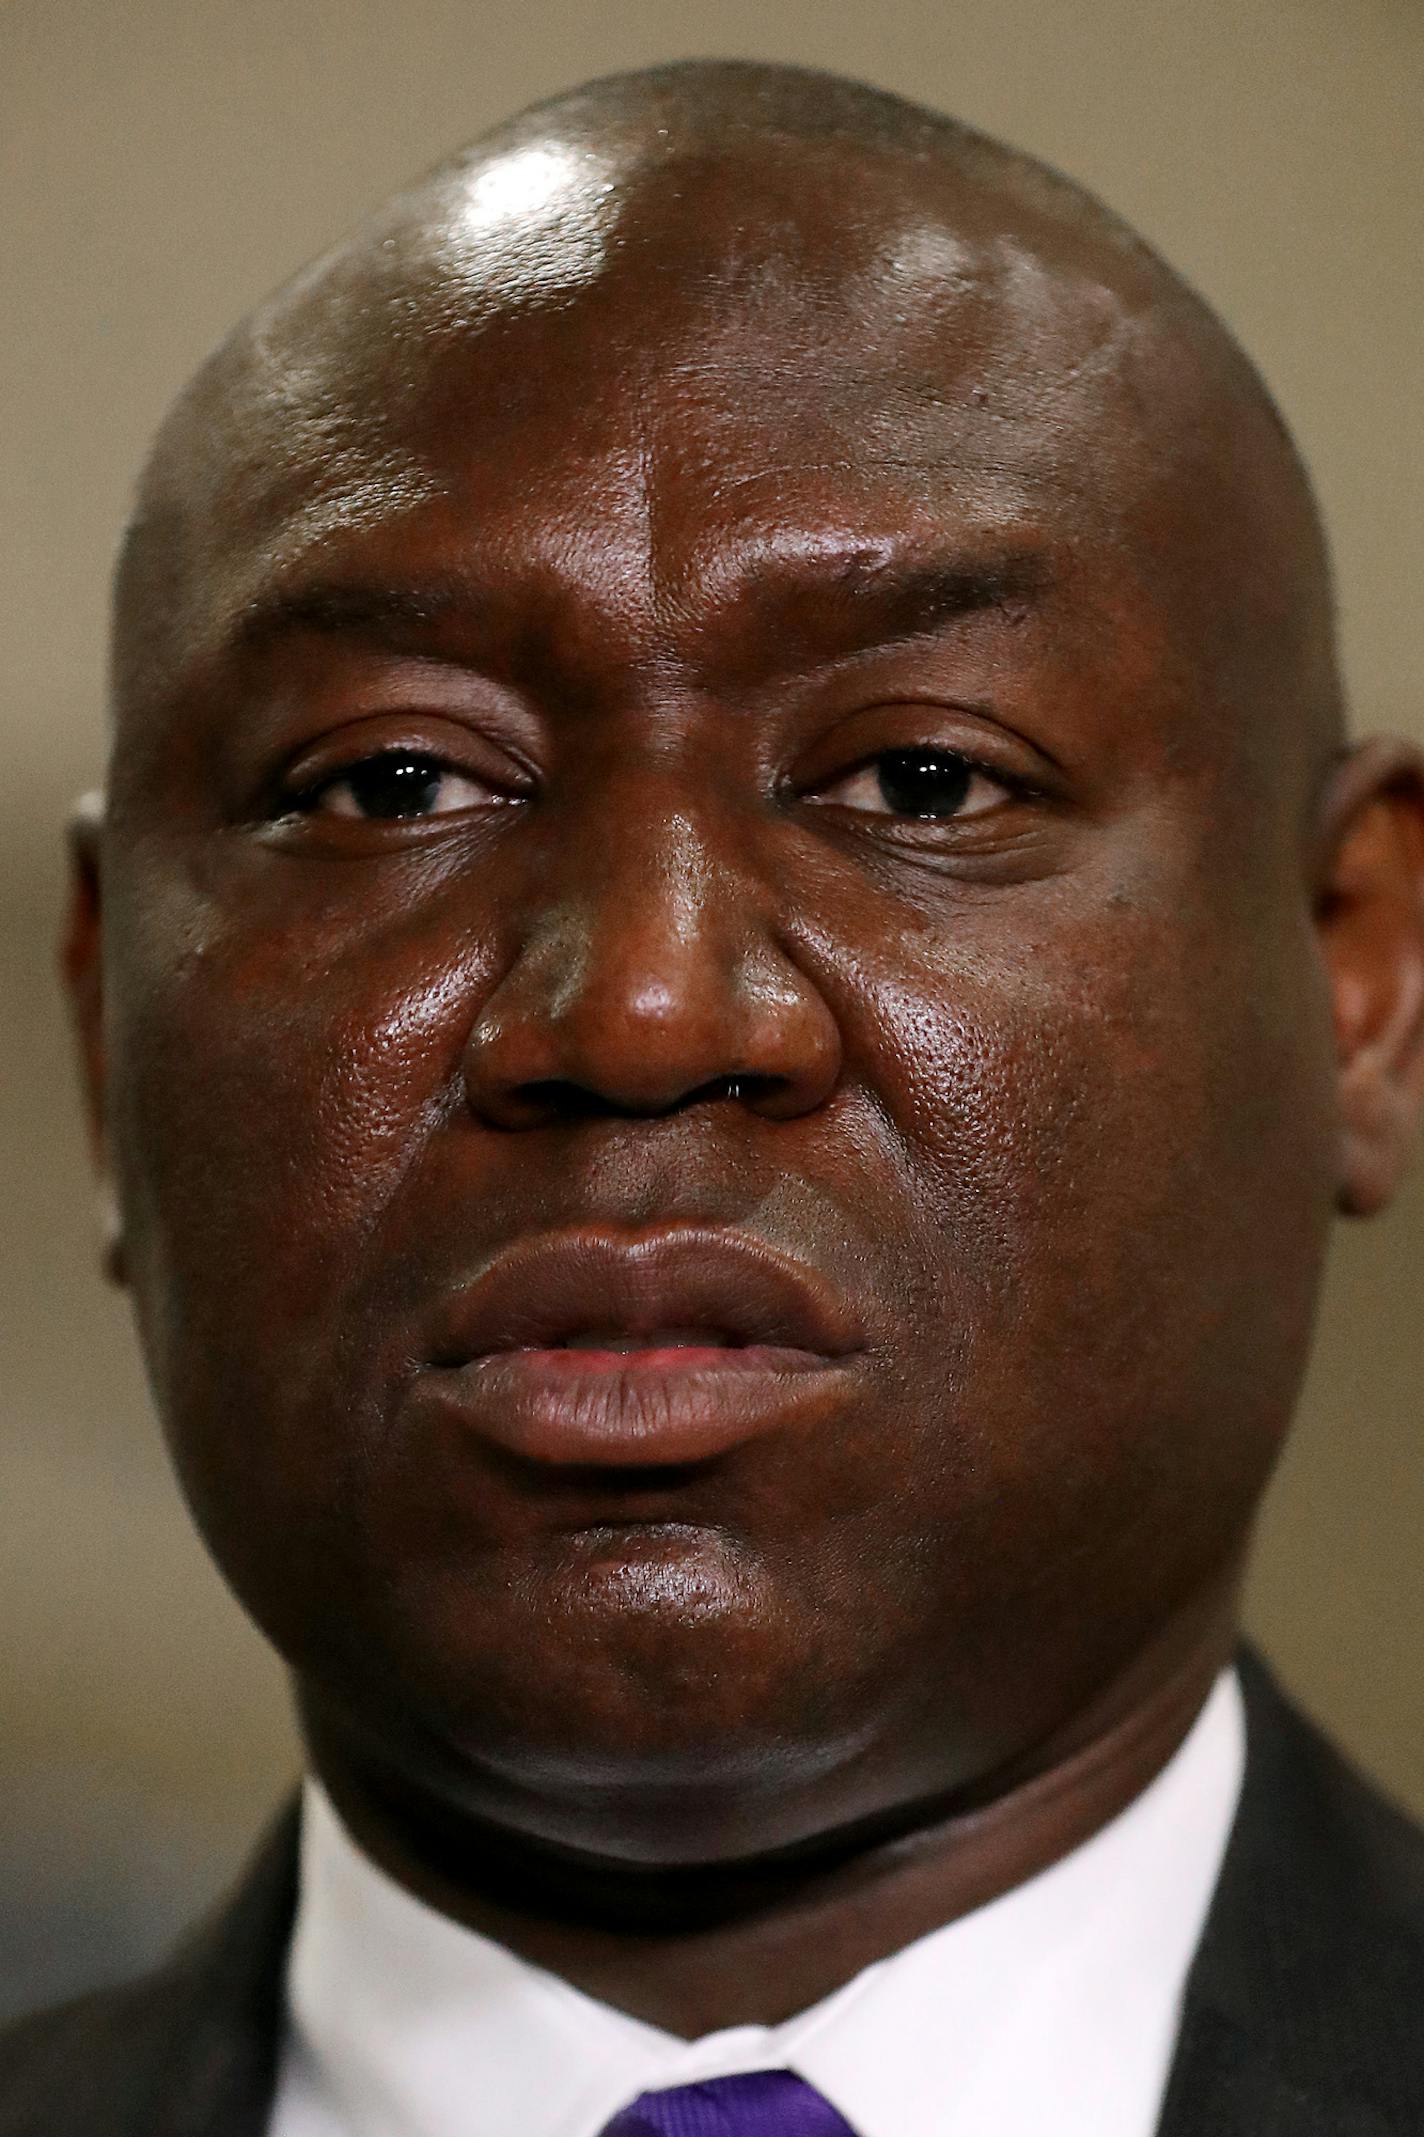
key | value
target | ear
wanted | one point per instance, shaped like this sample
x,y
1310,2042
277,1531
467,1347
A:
x,y
82,965
1370,916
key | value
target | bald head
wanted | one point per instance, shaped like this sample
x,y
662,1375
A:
x,y
773,222
734,702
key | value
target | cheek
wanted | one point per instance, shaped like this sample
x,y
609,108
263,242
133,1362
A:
x,y
272,1086
1113,1134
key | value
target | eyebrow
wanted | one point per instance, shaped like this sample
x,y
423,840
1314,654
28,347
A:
x,y
912,597
866,598
395,618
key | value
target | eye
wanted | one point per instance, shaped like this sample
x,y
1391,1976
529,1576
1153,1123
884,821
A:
x,y
927,783
393,785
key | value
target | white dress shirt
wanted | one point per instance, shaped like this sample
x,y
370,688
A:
x,y
1051,2012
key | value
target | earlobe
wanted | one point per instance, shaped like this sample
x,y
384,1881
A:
x,y
81,963
1370,916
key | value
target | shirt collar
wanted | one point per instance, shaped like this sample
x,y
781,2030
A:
x,y
1055,2007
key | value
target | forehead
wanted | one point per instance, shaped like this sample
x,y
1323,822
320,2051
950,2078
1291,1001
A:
x,y
634,401
706,366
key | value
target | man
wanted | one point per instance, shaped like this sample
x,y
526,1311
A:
x,y
731,969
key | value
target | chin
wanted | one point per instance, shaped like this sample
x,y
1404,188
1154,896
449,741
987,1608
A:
x,y
627,1698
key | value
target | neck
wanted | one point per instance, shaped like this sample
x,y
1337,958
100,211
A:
x,y
693,1950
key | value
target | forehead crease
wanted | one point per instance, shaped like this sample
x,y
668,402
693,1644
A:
x,y
951,518
1011,337
957,423
888,562
611,535
1013,398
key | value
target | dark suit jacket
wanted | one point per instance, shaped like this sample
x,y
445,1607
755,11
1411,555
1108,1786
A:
x,y
1304,2010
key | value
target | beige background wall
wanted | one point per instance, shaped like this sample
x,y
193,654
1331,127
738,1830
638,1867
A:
x,y
164,162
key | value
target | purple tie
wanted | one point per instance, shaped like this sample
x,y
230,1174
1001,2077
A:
x,y
760,2103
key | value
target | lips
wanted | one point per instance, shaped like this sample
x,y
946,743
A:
x,y
660,1347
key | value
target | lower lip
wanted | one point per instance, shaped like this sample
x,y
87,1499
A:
x,y
639,1408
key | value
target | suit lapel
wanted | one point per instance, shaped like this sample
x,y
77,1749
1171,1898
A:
x,y
1224,2084
225,2072
1303,2013
188,2051
210,2023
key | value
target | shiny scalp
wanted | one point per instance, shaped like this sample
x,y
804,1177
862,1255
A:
x,y
285,368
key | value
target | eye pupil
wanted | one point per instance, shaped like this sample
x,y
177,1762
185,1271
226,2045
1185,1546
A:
x,y
396,783
923,782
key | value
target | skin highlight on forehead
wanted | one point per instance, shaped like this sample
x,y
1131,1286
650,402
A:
x,y
755,226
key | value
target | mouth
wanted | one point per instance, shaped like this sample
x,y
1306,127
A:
x,y
660,1348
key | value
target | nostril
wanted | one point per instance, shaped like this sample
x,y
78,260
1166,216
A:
x,y
739,1086
558,1099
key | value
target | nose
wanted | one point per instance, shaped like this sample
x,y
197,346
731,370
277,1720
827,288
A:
x,y
650,978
